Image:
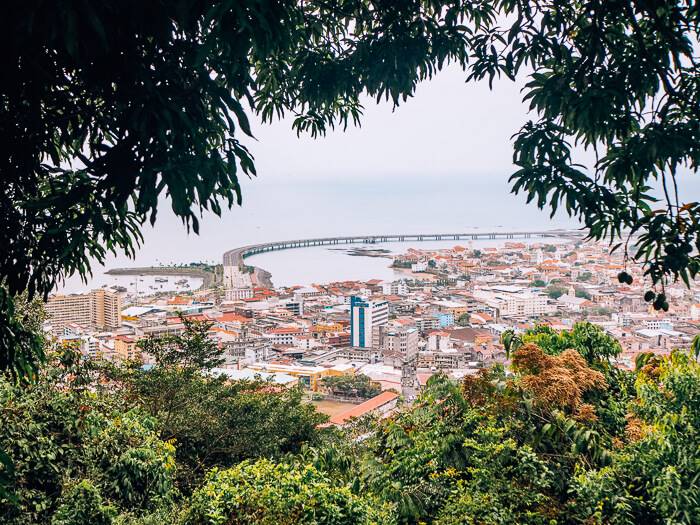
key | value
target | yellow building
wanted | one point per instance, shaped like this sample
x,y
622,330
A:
x,y
309,376
326,328
126,349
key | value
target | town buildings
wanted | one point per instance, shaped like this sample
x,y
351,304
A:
x,y
443,313
100,309
366,319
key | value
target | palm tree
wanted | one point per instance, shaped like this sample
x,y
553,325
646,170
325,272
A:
x,y
511,342
695,348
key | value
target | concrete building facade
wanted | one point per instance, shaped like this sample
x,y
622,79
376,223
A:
x,y
366,318
99,309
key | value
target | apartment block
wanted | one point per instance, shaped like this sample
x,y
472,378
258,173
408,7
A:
x,y
403,341
99,309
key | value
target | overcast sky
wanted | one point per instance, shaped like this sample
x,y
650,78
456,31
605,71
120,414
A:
x,y
437,163
448,127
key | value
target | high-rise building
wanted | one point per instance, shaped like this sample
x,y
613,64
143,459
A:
x,y
98,309
366,318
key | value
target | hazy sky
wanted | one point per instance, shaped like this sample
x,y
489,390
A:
x,y
448,127
421,167
439,162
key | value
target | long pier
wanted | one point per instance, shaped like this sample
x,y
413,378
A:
x,y
235,257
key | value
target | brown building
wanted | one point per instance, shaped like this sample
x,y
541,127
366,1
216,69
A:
x,y
99,309
125,348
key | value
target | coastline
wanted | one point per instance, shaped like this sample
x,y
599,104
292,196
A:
x,y
208,278
357,246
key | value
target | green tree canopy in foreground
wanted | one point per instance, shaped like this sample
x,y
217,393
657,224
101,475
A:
x,y
106,106
563,437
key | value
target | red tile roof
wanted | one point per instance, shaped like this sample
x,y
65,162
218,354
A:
x,y
364,408
229,317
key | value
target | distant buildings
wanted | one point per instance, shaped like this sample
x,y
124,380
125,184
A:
x,y
695,312
126,349
365,319
402,341
398,332
395,288
514,301
99,309
236,294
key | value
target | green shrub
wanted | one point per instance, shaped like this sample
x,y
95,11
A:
x,y
82,504
267,493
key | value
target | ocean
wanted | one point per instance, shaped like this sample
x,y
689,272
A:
x,y
295,209
286,208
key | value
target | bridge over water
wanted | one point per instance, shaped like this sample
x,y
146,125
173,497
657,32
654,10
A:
x,y
235,257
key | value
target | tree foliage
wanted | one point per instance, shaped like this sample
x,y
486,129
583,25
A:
x,y
555,292
75,454
654,478
563,437
589,340
351,385
83,504
193,349
269,494
463,319
21,339
213,421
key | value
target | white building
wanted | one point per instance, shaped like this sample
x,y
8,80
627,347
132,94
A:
x,y
572,303
419,267
515,303
395,288
236,294
366,317
658,324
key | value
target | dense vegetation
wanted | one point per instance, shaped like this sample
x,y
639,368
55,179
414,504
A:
x,y
562,437
355,385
